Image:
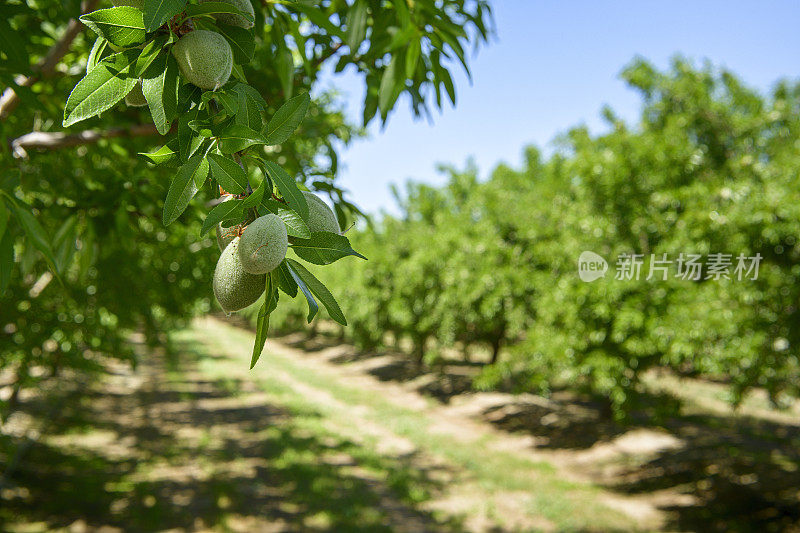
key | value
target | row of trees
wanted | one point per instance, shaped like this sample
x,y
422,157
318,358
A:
x,y
712,167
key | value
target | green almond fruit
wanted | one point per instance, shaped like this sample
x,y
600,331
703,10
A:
x,y
234,287
205,59
263,244
320,216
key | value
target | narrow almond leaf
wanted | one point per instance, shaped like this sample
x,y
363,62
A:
x,y
388,91
6,260
184,187
412,57
242,42
163,154
4,216
262,322
150,52
254,199
313,306
287,186
35,232
324,248
228,173
295,225
284,279
319,290
223,211
356,25
248,112
236,138
214,8
101,88
287,118
157,12
122,26
160,88
96,53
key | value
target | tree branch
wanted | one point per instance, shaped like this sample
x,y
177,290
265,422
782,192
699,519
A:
x,y
55,140
46,66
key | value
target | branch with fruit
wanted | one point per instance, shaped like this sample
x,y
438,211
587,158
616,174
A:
x,y
184,61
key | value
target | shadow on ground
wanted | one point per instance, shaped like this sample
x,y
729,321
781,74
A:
x,y
181,452
734,472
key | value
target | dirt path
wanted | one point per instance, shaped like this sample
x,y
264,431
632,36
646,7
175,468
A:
x,y
458,422
708,468
317,437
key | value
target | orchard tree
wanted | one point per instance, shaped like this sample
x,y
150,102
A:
x,y
219,99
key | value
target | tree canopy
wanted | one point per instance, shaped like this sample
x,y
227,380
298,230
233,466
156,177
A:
x,y
103,203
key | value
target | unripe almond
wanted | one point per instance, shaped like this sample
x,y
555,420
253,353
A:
x,y
205,58
320,216
263,244
234,287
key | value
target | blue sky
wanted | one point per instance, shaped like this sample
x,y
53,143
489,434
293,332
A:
x,y
553,65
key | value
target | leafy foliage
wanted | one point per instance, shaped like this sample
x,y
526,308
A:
x,y
91,219
711,167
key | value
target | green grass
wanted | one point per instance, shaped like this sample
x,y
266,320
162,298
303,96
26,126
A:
x,y
569,506
208,444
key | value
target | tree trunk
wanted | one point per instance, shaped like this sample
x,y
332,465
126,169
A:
x,y
496,343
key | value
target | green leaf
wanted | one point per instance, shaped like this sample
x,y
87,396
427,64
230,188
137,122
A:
x,y
313,307
318,17
163,154
228,100
248,114
157,12
388,91
228,173
254,199
4,215
150,52
287,118
295,225
262,322
287,186
319,290
6,260
236,138
242,42
284,279
356,25
227,209
412,57
184,187
253,94
213,8
13,46
403,16
188,140
324,248
101,88
64,242
284,65
96,53
34,231
122,26
160,87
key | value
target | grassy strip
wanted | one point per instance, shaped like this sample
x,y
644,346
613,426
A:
x,y
569,506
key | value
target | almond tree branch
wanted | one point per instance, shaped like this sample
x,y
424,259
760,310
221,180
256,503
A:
x,y
55,140
46,66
